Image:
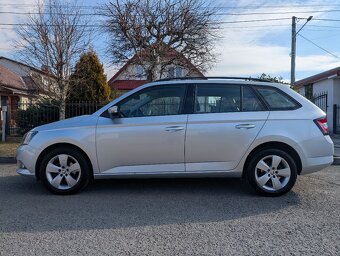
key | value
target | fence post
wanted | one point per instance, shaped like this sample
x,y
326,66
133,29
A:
x,y
335,117
4,120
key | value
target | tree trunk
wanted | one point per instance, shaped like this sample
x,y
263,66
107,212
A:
x,y
62,109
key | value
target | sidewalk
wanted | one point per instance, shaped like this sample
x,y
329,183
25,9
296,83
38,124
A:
x,y
336,140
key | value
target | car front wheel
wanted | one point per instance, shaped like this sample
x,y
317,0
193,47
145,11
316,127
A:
x,y
64,171
271,172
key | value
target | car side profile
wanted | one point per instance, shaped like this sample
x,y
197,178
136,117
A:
x,y
264,132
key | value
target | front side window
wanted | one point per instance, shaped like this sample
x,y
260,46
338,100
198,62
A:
x,y
215,98
156,101
276,100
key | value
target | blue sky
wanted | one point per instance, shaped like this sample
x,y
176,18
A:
x,y
246,48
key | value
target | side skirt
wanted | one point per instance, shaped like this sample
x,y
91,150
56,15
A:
x,y
191,174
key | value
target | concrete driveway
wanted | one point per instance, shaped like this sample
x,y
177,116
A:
x,y
170,217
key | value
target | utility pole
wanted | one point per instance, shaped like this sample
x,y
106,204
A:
x,y
293,52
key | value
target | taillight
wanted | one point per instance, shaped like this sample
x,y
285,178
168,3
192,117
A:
x,y
322,124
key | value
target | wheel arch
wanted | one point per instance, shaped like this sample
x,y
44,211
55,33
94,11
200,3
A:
x,y
60,145
276,145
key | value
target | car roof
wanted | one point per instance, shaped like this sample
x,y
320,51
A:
x,y
217,81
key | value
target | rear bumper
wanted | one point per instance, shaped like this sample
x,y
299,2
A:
x,y
316,164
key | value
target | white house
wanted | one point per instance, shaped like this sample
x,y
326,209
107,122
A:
x,y
36,81
328,82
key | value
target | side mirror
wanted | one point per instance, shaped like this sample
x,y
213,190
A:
x,y
114,112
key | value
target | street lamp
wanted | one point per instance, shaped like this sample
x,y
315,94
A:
x,y
293,52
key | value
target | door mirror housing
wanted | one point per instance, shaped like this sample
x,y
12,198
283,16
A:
x,y
114,112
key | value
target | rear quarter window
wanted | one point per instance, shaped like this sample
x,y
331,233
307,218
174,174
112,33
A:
x,y
276,99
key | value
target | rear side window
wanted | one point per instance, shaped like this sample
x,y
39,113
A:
x,y
277,100
214,98
250,102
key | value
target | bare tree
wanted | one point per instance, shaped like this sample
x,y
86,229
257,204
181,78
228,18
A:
x,y
155,34
54,37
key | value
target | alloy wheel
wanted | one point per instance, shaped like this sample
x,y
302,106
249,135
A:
x,y
63,171
272,173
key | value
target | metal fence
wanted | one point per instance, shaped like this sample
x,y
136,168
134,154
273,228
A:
x,y
320,100
22,117
336,118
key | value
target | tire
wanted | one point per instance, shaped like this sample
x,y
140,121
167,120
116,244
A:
x,y
271,172
64,171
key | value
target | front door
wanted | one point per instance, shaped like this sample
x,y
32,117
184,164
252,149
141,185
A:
x,y
226,120
149,135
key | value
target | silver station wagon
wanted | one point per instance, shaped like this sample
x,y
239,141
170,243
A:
x,y
215,127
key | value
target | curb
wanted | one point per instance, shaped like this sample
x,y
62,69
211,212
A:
x,y
336,160
8,160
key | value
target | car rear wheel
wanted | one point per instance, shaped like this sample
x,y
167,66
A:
x,y
64,171
271,172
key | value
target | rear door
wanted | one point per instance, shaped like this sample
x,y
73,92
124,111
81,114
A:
x,y
225,121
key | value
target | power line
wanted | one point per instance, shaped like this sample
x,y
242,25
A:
x,y
327,19
319,46
245,21
99,25
219,14
212,7
46,13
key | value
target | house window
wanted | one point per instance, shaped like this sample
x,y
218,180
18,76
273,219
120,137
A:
x,y
309,91
171,72
178,72
175,72
139,71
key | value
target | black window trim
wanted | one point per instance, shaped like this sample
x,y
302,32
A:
x,y
182,107
297,104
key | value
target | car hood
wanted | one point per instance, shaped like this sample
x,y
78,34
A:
x,y
79,121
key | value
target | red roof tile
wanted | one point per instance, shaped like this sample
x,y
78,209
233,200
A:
x,y
10,79
127,84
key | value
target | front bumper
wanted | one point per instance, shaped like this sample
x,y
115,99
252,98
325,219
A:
x,y
26,159
25,172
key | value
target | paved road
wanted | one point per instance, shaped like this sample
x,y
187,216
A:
x,y
170,217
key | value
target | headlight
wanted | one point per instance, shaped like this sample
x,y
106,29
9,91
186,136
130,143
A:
x,y
28,137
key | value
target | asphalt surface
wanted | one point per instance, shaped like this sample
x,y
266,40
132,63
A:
x,y
170,217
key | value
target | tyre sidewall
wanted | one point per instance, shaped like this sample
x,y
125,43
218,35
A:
x,y
84,176
250,171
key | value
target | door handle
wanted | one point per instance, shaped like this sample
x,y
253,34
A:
x,y
245,126
174,128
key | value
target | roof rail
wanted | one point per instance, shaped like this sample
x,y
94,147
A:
x,y
216,77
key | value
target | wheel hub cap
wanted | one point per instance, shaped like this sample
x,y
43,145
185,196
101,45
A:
x,y
272,173
63,171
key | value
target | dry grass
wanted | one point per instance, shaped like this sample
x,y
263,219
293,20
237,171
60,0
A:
x,y
8,148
